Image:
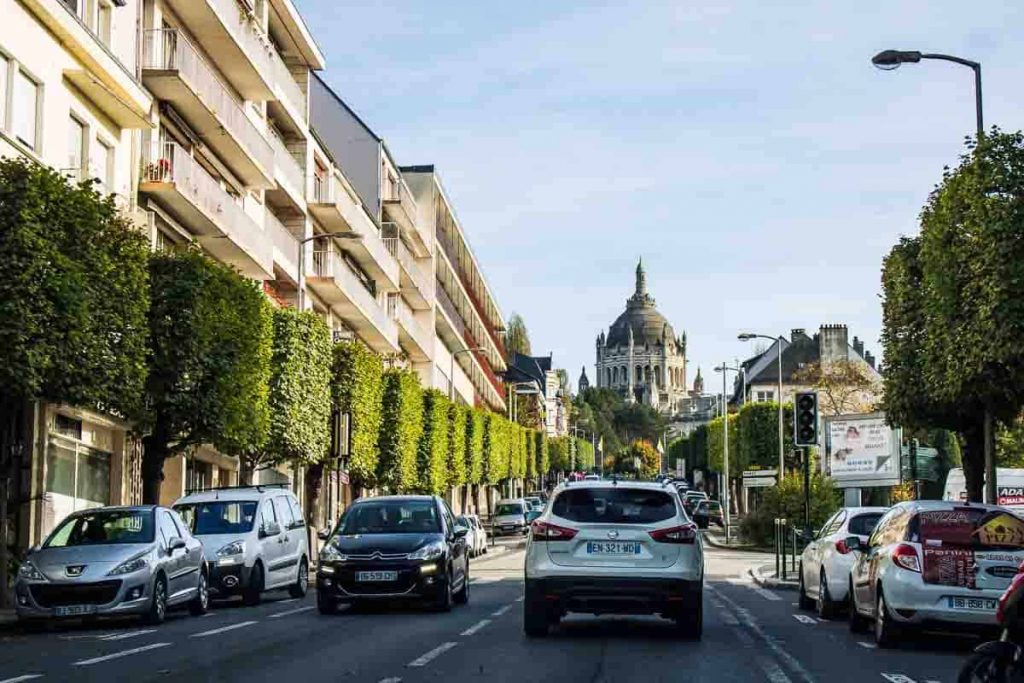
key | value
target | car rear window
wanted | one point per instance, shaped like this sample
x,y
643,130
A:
x,y
968,527
510,509
614,505
863,525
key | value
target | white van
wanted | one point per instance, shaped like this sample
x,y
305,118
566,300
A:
x,y
1009,482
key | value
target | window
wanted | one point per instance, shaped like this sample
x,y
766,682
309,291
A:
x,y
25,110
104,20
218,517
391,517
168,529
764,396
103,527
614,505
67,426
78,147
267,516
296,512
284,513
5,71
103,164
863,525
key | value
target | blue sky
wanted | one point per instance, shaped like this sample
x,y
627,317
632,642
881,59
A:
x,y
748,151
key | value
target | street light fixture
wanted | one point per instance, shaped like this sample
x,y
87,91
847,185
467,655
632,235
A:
x,y
887,60
345,235
748,336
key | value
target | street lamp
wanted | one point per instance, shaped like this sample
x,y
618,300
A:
x,y
346,235
747,336
887,60
724,369
451,369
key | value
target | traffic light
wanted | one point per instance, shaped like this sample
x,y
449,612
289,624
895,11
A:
x,y
805,419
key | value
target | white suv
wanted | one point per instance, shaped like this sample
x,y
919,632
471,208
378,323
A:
x,y
614,547
254,539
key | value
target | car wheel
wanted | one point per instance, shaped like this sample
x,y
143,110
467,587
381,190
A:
x,y
983,667
199,604
536,617
443,601
158,605
298,589
886,632
325,604
826,606
804,601
462,596
858,624
253,593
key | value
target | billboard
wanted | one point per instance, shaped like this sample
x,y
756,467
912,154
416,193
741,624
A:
x,y
862,450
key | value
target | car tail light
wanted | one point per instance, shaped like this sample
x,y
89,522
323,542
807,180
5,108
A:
x,y
687,533
906,557
841,547
545,531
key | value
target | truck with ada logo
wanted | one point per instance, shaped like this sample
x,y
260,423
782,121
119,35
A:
x,y
1009,487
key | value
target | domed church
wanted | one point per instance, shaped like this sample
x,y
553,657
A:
x,y
641,358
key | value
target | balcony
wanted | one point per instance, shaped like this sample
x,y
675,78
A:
x,y
412,337
452,262
399,206
337,208
288,93
176,181
175,72
228,29
288,173
104,79
286,247
417,284
336,284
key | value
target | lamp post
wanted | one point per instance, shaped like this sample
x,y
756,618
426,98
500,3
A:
x,y
346,235
747,336
724,369
887,60
451,369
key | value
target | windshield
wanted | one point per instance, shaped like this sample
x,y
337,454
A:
x,y
103,527
863,525
219,516
614,506
509,509
391,517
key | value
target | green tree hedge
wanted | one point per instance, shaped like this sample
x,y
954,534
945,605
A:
x,y
496,449
543,453
358,389
715,446
559,453
458,453
475,426
433,450
401,427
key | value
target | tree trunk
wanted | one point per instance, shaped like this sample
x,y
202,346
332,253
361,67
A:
x,y
245,471
314,482
991,489
155,452
973,458
464,495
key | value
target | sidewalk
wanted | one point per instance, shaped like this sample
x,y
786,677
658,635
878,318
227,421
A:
x,y
716,539
764,576
8,620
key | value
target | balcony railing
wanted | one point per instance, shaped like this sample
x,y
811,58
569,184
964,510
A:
x,y
407,319
288,88
322,189
286,243
391,244
444,240
328,263
423,281
288,164
167,49
449,308
399,194
246,33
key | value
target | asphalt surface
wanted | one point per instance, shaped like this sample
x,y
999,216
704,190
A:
x,y
750,634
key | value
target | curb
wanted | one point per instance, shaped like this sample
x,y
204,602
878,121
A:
x,y
496,551
715,543
761,578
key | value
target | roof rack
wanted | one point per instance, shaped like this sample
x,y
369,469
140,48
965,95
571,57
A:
x,y
258,487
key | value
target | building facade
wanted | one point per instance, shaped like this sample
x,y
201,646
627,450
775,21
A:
x,y
641,357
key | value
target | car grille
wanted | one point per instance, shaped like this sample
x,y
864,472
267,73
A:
x,y
377,556
63,595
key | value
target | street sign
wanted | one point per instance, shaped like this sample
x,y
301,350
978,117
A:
x,y
753,479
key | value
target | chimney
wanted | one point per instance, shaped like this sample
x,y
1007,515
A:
x,y
858,346
797,332
832,343
870,358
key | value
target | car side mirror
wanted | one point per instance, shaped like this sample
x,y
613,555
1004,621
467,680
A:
x,y
324,534
270,529
175,544
853,543
460,532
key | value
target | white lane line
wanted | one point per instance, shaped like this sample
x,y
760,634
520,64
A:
x,y
129,634
122,653
285,601
866,645
898,678
765,593
501,610
18,679
475,627
390,680
209,614
430,656
213,632
804,619
772,670
292,611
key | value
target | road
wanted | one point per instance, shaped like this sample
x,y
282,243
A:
x,y
750,634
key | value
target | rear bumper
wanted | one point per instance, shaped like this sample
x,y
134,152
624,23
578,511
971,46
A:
x,y
607,595
911,601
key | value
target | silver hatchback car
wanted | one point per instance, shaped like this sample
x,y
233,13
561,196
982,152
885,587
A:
x,y
114,561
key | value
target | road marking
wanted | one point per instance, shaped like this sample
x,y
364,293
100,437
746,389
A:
x,y
764,593
122,653
130,634
285,601
429,657
866,645
18,679
82,636
222,629
209,614
804,619
390,680
475,627
292,611
772,670
501,610
898,678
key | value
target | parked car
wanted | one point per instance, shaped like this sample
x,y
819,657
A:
x,y
394,547
826,561
533,514
114,561
534,503
706,512
509,517
476,539
933,563
592,477
543,495
254,539
691,498
613,547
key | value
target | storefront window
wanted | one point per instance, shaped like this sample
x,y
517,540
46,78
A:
x,y
77,476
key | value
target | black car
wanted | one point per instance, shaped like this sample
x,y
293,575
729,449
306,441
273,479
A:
x,y
706,512
391,548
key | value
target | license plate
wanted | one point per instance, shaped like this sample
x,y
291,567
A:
x,y
973,604
376,576
612,548
74,610
507,527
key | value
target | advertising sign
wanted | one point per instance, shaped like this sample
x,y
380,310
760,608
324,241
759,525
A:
x,y
862,450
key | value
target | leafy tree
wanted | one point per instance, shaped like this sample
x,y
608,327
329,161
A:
x,y
517,339
641,459
843,386
433,451
475,421
401,427
585,459
458,460
559,453
358,390
529,436
757,435
716,447
786,501
543,454
496,449
211,340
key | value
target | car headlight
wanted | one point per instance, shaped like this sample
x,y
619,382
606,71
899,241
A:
x,y
233,548
431,551
130,566
330,553
27,570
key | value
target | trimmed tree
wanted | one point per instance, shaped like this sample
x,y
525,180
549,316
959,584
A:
x,y
210,347
433,449
475,424
543,455
458,456
358,389
401,426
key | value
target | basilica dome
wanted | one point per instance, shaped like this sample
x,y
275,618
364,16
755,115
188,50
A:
x,y
649,327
